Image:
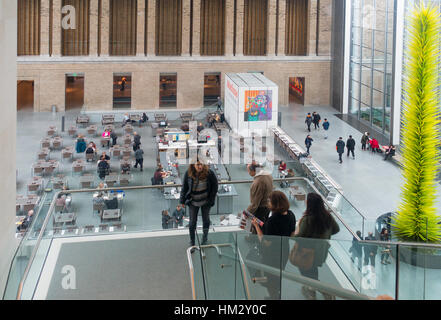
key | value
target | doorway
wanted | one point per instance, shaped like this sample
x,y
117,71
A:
x,y
122,91
212,88
297,91
25,95
74,98
168,90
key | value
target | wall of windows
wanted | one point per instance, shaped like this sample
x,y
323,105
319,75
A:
x,y
372,36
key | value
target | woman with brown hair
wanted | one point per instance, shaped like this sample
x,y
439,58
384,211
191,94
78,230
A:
x,y
199,191
275,252
316,223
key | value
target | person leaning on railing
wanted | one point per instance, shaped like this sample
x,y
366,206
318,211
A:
x,y
316,223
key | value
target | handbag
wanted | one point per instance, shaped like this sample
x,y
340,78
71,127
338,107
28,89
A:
x,y
301,257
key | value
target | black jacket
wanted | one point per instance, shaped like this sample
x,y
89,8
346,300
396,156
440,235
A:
x,y
137,139
350,144
187,187
316,118
308,141
340,146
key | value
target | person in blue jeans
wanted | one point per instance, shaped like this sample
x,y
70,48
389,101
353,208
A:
x,y
326,127
308,143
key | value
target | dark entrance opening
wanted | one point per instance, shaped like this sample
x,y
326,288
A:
x,y
25,95
296,90
212,88
74,98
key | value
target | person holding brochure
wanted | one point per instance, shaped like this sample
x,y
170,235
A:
x,y
282,222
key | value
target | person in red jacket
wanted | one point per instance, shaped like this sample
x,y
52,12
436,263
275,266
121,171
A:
x,y
374,145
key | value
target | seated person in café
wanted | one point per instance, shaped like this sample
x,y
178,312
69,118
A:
x,y
165,219
200,127
103,168
282,166
144,118
114,137
389,153
106,134
290,173
104,156
126,119
178,216
61,202
125,168
90,150
81,144
26,221
158,177
99,200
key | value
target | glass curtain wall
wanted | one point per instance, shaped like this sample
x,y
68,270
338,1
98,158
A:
x,y
372,36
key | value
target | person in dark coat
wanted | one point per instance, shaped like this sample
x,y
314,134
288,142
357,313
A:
x,y
114,137
308,121
316,120
139,157
364,140
340,146
326,127
308,142
165,219
370,250
350,145
356,250
199,190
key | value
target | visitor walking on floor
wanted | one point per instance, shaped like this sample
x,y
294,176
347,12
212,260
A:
x,y
326,127
139,157
350,145
340,146
308,121
316,120
308,143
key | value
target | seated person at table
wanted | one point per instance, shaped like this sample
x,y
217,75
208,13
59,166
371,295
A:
x,y
90,150
200,127
26,222
125,168
290,173
104,156
126,119
99,201
165,219
158,177
144,118
103,168
390,152
81,144
102,185
282,166
178,216
106,133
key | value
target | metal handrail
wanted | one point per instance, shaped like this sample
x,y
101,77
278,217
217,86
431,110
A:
x,y
190,262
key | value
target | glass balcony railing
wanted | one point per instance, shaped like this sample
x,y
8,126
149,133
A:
x,y
138,209
233,268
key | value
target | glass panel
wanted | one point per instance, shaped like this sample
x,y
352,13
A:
x,y
365,112
355,90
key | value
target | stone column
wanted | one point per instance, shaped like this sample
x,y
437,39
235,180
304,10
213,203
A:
x,y
229,27
8,101
271,33
93,42
324,28
185,45
239,27
196,43
282,28
140,29
151,28
105,21
44,28
56,28
312,28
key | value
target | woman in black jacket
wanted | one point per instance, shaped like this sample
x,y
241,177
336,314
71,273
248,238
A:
x,y
199,191
275,252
